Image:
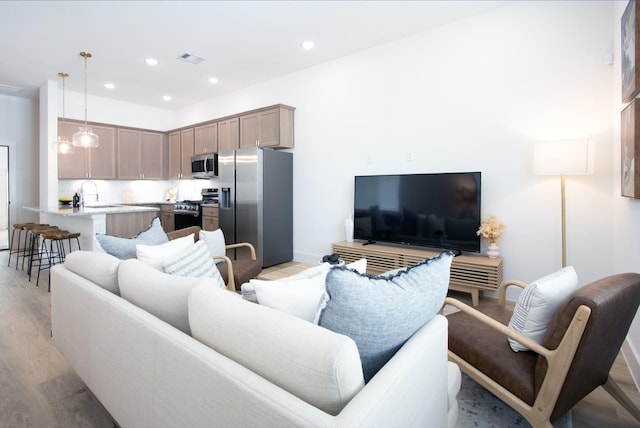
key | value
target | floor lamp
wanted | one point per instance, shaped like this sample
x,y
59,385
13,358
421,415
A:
x,y
565,157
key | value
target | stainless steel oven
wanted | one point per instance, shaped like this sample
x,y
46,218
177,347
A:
x,y
187,213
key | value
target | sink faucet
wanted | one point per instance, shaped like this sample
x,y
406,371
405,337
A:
x,y
82,194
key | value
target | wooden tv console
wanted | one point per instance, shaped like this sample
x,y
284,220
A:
x,y
469,273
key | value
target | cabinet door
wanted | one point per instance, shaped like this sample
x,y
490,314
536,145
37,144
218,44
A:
x,y
228,134
129,144
175,161
269,128
206,139
249,125
152,159
72,165
186,139
102,159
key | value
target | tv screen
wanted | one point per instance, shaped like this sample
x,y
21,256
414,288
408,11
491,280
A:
x,y
430,210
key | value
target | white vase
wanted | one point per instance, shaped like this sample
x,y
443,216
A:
x,y
348,228
493,251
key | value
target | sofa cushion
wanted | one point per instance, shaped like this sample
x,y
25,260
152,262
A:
x,y
98,267
538,302
154,255
125,248
193,262
215,243
300,294
381,312
159,293
319,366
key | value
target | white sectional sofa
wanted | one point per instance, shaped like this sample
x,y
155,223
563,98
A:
x,y
252,366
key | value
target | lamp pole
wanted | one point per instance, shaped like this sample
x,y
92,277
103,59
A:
x,y
564,221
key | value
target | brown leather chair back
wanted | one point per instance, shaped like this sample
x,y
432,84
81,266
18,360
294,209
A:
x,y
614,302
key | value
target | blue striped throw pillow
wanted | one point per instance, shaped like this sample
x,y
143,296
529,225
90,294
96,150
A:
x,y
194,262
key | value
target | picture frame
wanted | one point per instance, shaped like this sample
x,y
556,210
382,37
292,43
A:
x,y
630,150
630,29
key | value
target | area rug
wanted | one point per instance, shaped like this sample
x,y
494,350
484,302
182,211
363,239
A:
x,y
481,409
478,408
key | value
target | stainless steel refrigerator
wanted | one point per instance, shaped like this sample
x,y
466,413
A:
x,y
256,201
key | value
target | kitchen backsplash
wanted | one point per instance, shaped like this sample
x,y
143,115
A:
x,y
112,191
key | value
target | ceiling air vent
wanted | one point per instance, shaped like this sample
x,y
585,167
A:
x,y
192,59
8,89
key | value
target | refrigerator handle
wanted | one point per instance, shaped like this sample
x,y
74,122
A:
x,y
225,197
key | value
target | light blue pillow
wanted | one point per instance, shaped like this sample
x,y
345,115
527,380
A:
x,y
381,312
125,248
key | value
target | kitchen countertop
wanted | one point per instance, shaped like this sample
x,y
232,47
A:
x,y
93,210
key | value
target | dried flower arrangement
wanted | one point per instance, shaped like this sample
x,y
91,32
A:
x,y
491,229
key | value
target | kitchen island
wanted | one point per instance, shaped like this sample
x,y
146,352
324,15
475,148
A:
x,y
113,219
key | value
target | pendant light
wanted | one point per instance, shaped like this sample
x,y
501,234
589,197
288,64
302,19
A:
x,y
63,144
85,136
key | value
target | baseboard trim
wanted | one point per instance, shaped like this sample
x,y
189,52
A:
x,y
633,363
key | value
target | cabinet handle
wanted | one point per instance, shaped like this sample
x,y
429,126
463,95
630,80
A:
x,y
257,143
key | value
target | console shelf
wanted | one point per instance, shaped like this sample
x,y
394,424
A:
x,y
469,273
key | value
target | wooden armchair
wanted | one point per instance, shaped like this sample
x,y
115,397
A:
x,y
582,341
234,272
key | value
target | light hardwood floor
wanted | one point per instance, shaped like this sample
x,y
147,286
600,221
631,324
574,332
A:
x,y
39,389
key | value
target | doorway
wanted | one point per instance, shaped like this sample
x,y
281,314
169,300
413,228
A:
x,y
4,197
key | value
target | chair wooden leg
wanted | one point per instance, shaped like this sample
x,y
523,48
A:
x,y
616,392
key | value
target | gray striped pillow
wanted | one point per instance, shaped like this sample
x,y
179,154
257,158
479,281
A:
x,y
194,262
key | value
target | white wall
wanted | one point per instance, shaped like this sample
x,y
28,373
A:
x,y
625,212
473,95
19,131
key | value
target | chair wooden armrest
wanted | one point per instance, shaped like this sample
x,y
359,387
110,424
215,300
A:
x,y
524,340
243,244
231,284
502,289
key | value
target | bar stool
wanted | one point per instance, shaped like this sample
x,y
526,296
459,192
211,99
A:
x,y
34,244
14,247
49,256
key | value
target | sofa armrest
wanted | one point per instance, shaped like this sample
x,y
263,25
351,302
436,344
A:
x,y
411,389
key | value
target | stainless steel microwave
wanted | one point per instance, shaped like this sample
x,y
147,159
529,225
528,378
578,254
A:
x,y
204,166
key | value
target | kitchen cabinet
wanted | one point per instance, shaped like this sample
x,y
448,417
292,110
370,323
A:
x,y
210,219
140,155
205,139
271,127
180,152
228,134
167,218
95,163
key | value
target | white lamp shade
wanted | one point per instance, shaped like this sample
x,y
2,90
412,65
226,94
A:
x,y
563,157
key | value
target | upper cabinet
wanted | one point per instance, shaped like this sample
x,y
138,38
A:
x,y
180,152
97,163
140,155
270,127
228,134
205,139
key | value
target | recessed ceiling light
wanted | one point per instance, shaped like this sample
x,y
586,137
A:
x,y
213,80
166,97
151,61
307,45
109,85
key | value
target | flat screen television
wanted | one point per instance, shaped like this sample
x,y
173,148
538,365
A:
x,y
429,210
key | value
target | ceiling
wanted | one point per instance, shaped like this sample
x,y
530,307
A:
x,y
242,42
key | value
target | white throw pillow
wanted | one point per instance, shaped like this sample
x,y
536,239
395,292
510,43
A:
x,y
538,302
159,293
215,243
153,255
196,262
301,294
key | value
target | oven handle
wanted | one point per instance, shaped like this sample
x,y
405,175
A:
x,y
186,212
